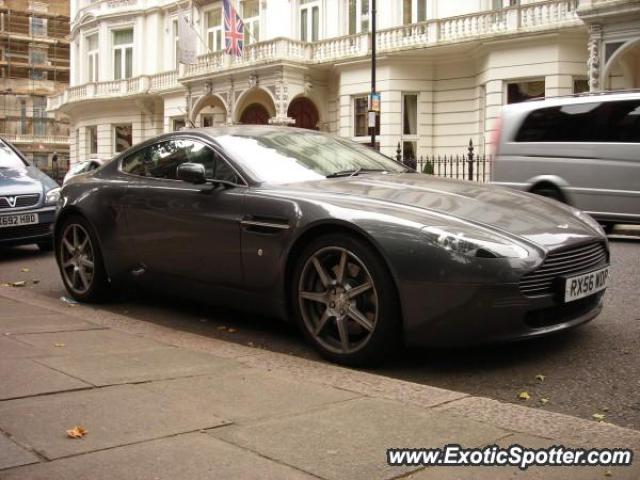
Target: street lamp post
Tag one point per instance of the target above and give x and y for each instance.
(373, 114)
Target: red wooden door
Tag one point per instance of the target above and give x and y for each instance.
(255, 114)
(305, 113)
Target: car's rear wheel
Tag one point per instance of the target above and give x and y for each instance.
(345, 301)
(80, 261)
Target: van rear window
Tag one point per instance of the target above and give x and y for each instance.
(608, 122)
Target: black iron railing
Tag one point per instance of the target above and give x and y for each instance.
(466, 166)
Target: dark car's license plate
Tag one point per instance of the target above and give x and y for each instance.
(585, 284)
(15, 220)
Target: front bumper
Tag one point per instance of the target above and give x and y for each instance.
(26, 234)
(470, 315)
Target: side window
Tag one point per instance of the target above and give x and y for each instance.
(161, 160)
(567, 123)
(624, 122)
(607, 122)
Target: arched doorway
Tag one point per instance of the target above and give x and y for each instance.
(255, 106)
(304, 112)
(255, 114)
(209, 111)
(623, 68)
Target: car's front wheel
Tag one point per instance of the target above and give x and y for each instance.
(80, 261)
(345, 300)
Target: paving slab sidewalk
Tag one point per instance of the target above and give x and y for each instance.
(165, 404)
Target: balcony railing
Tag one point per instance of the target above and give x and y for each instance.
(539, 15)
(114, 88)
(549, 14)
(31, 138)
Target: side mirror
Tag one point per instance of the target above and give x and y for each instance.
(192, 173)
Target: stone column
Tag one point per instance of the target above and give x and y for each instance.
(282, 103)
(595, 57)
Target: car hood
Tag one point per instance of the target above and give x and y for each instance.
(24, 180)
(542, 221)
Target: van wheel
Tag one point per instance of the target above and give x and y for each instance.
(549, 191)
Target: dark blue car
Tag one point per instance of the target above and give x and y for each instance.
(28, 201)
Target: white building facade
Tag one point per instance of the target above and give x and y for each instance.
(445, 67)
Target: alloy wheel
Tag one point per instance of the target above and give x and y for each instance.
(77, 258)
(338, 300)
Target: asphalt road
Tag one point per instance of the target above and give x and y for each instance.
(593, 369)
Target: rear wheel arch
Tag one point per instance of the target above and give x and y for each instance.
(74, 211)
(552, 187)
(327, 228)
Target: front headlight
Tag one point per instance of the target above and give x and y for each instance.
(474, 242)
(52, 196)
(589, 220)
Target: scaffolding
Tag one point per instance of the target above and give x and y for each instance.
(34, 63)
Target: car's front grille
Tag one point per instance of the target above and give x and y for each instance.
(583, 258)
(19, 201)
(24, 231)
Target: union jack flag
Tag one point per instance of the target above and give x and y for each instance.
(233, 30)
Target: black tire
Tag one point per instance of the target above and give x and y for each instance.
(370, 347)
(549, 191)
(99, 288)
(45, 245)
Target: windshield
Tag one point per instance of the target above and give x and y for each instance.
(281, 156)
(9, 159)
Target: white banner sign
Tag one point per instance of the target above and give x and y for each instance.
(187, 41)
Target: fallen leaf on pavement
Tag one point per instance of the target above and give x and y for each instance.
(599, 416)
(608, 473)
(25, 270)
(77, 432)
(540, 377)
(544, 401)
(59, 344)
(524, 396)
(21, 283)
(35, 282)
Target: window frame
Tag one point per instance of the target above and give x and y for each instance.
(250, 24)
(114, 137)
(124, 47)
(356, 137)
(212, 32)
(308, 6)
(409, 137)
(88, 130)
(93, 56)
(414, 11)
(360, 17)
(510, 81)
(44, 26)
(217, 150)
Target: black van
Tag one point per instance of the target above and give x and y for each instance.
(28, 201)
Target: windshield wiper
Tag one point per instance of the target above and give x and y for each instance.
(354, 172)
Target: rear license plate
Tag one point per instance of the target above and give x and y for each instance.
(15, 220)
(585, 284)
